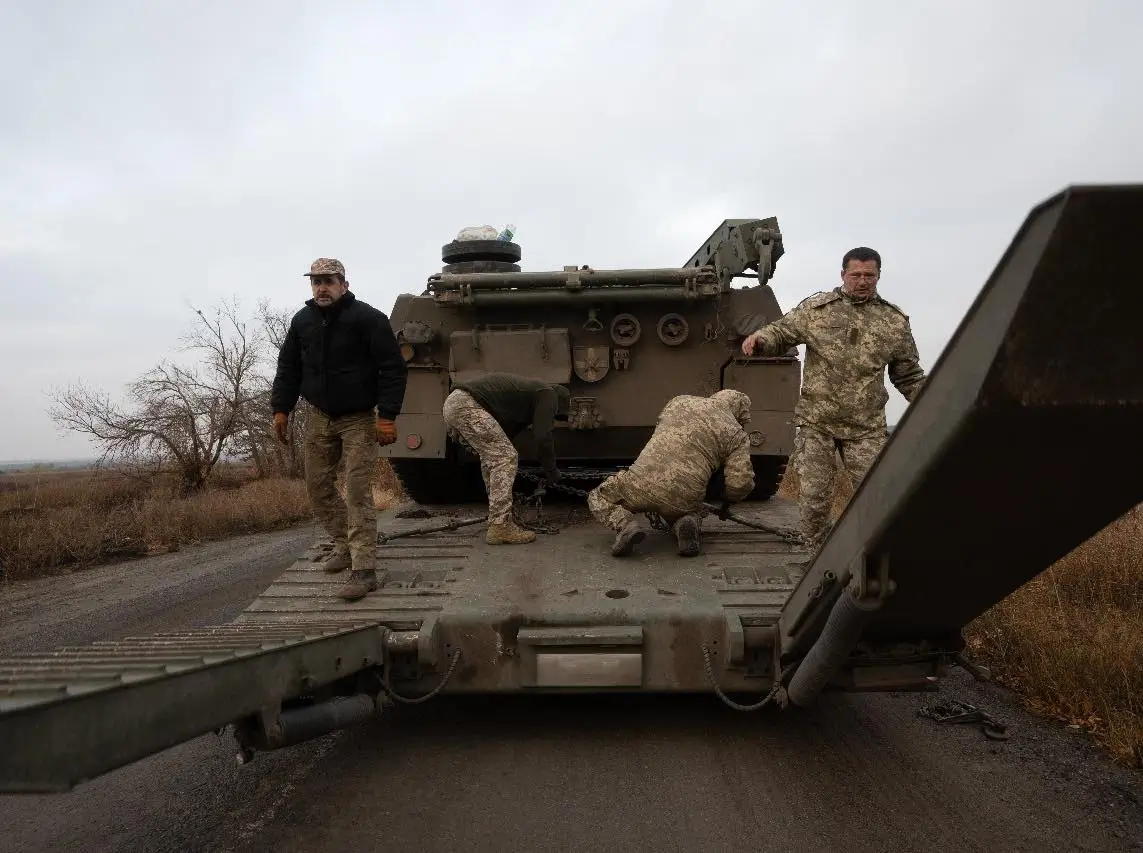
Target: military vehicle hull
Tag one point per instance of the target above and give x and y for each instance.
(623, 341)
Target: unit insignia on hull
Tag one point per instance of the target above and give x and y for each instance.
(591, 363)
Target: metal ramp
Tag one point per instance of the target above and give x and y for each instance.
(74, 713)
(1025, 442)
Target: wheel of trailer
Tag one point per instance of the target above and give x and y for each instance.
(439, 481)
(466, 267)
(459, 251)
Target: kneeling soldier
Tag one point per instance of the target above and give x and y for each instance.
(694, 438)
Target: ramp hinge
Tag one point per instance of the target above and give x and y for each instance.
(879, 585)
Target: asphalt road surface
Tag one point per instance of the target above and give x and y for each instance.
(857, 773)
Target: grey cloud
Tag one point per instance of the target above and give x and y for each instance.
(155, 154)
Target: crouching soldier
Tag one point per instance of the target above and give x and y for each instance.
(486, 413)
(694, 437)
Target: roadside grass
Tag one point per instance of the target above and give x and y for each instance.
(65, 520)
(1069, 642)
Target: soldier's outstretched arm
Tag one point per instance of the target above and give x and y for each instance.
(288, 377)
(777, 337)
(905, 371)
(543, 417)
(738, 472)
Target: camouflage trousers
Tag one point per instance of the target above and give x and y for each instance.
(466, 419)
(618, 499)
(352, 522)
(817, 468)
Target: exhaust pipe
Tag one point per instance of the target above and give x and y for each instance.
(296, 725)
(843, 628)
(300, 724)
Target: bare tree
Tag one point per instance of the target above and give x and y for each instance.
(187, 417)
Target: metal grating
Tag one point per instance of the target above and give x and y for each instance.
(33, 678)
(74, 713)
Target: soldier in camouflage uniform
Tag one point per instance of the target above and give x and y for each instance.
(694, 437)
(851, 335)
(341, 356)
(486, 413)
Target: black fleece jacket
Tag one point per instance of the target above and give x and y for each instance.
(343, 360)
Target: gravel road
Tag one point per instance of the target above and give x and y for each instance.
(856, 773)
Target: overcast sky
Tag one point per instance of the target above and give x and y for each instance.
(155, 154)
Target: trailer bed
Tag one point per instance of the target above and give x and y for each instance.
(561, 612)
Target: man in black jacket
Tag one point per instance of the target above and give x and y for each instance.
(486, 413)
(341, 355)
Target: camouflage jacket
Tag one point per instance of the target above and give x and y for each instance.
(849, 343)
(693, 438)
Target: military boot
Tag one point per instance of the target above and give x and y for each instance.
(627, 538)
(509, 533)
(361, 583)
(338, 561)
(687, 533)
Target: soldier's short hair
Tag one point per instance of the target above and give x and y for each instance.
(861, 253)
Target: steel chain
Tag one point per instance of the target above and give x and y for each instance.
(775, 693)
(656, 521)
(565, 475)
(520, 500)
(425, 697)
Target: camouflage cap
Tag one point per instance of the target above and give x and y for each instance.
(326, 266)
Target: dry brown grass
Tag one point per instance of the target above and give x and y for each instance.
(73, 519)
(387, 489)
(1070, 641)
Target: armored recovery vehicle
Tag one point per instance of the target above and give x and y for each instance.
(979, 489)
(623, 341)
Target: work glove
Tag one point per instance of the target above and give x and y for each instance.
(386, 431)
(280, 419)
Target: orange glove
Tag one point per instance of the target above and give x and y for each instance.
(280, 427)
(386, 431)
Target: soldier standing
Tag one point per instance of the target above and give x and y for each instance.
(486, 413)
(341, 355)
(851, 335)
(694, 437)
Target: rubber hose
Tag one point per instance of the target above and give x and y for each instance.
(847, 619)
